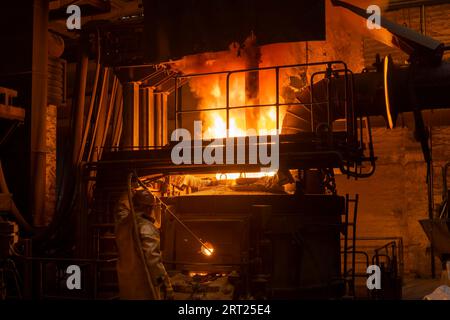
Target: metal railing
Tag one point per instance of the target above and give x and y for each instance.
(385, 252)
(328, 73)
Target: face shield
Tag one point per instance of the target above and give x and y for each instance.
(144, 201)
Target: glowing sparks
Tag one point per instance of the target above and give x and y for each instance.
(199, 274)
(234, 176)
(207, 249)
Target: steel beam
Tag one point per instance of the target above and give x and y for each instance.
(130, 113)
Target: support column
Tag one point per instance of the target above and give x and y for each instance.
(130, 113)
(164, 129)
(151, 117)
(144, 124)
(161, 119)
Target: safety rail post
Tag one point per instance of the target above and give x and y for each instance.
(277, 98)
(228, 102)
(176, 101)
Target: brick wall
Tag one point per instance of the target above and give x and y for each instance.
(395, 198)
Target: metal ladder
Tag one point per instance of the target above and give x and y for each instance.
(105, 251)
(349, 243)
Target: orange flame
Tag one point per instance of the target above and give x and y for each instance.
(343, 42)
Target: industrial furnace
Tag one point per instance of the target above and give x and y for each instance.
(192, 151)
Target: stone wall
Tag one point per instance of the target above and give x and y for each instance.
(395, 198)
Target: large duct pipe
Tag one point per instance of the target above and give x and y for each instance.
(430, 85)
(422, 84)
(384, 94)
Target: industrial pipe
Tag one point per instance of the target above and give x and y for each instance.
(91, 103)
(99, 125)
(384, 93)
(79, 104)
(112, 103)
(39, 109)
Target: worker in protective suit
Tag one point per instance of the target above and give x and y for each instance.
(140, 270)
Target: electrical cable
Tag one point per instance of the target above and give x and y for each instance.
(68, 185)
(92, 101)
